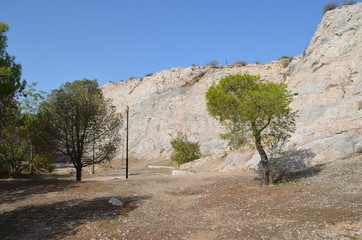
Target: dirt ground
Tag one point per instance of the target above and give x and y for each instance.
(322, 202)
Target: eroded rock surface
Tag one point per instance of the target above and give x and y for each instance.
(326, 81)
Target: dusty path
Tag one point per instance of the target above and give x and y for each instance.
(319, 203)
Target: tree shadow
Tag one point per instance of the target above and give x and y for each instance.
(292, 166)
(60, 219)
(15, 190)
(298, 174)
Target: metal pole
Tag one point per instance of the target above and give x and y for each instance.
(122, 150)
(127, 113)
(93, 156)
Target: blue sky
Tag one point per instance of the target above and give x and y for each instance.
(58, 41)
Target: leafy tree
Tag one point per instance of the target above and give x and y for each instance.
(14, 144)
(17, 145)
(10, 72)
(29, 105)
(78, 122)
(186, 151)
(253, 112)
(11, 124)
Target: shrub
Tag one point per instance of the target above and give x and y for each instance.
(149, 74)
(41, 164)
(194, 65)
(283, 57)
(212, 63)
(186, 151)
(330, 6)
(240, 63)
(132, 78)
(257, 62)
(348, 2)
(285, 60)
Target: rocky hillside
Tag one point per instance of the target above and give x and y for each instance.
(326, 81)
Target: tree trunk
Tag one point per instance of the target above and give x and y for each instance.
(264, 161)
(79, 173)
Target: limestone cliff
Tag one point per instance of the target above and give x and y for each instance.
(326, 81)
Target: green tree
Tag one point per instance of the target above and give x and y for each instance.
(14, 143)
(253, 112)
(10, 71)
(186, 151)
(29, 105)
(17, 146)
(10, 79)
(76, 121)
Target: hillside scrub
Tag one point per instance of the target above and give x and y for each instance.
(330, 6)
(186, 151)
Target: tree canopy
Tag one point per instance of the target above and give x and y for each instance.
(76, 121)
(10, 71)
(254, 112)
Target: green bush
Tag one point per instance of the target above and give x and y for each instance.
(41, 164)
(283, 57)
(330, 6)
(186, 151)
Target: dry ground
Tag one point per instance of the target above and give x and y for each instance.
(323, 202)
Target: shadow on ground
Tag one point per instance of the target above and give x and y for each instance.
(299, 174)
(61, 219)
(15, 190)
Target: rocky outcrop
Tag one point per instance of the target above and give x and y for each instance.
(326, 81)
(173, 101)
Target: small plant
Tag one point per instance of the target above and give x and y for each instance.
(149, 74)
(283, 57)
(257, 62)
(285, 60)
(194, 65)
(240, 63)
(41, 164)
(186, 151)
(132, 78)
(349, 2)
(212, 63)
(330, 6)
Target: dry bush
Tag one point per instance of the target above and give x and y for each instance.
(330, 6)
(240, 63)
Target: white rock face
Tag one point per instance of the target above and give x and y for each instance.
(173, 101)
(327, 82)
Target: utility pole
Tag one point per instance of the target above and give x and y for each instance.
(127, 113)
(122, 150)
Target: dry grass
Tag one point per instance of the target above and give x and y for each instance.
(310, 204)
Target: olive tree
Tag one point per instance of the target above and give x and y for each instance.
(254, 112)
(78, 122)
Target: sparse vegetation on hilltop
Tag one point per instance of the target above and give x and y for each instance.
(240, 63)
(330, 6)
(212, 63)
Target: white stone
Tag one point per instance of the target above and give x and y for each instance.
(179, 172)
(116, 202)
